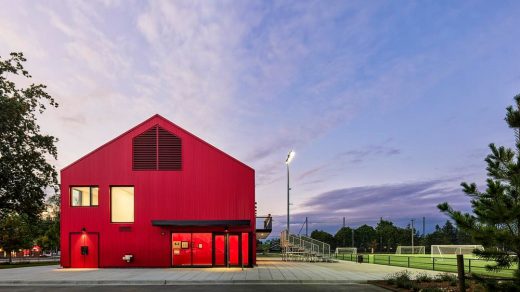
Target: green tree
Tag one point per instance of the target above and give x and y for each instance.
(324, 237)
(15, 233)
(24, 170)
(495, 222)
(364, 238)
(343, 237)
(47, 230)
(387, 235)
(449, 233)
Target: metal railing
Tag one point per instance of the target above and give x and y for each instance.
(443, 264)
(302, 248)
(264, 222)
(17, 260)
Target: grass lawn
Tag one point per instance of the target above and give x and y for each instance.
(447, 263)
(26, 264)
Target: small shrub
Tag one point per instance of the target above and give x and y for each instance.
(446, 277)
(423, 277)
(405, 284)
(401, 279)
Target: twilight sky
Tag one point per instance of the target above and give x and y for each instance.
(389, 105)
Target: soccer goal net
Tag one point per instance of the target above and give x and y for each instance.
(346, 250)
(443, 250)
(417, 249)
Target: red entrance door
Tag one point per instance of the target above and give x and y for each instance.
(220, 250)
(233, 250)
(201, 249)
(192, 249)
(84, 250)
(181, 245)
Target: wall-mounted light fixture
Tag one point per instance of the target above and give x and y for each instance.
(84, 230)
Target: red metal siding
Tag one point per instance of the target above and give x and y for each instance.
(85, 240)
(210, 186)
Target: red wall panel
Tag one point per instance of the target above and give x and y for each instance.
(211, 186)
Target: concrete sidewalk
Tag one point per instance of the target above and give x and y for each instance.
(268, 271)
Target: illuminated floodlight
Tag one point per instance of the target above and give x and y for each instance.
(290, 157)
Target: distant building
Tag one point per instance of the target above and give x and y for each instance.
(157, 196)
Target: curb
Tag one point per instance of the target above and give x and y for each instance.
(177, 283)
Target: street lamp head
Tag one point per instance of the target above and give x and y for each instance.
(290, 157)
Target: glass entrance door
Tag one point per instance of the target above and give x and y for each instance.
(192, 249)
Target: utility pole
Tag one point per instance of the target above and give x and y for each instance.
(412, 237)
(381, 237)
(306, 226)
(344, 236)
(352, 236)
(423, 226)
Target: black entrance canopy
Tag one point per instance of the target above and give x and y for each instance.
(218, 223)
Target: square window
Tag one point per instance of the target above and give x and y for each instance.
(84, 196)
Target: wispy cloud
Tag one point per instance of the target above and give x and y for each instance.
(374, 151)
(367, 204)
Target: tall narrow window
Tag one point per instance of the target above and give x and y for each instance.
(84, 196)
(122, 204)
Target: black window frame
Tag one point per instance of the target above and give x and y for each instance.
(90, 187)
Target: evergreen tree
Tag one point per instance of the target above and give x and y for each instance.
(495, 221)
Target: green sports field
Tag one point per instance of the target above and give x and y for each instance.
(447, 263)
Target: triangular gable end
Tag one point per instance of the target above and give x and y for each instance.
(156, 117)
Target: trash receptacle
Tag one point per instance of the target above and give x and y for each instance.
(360, 258)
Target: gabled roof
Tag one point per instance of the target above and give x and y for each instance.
(154, 117)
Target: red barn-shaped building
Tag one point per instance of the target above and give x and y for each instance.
(157, 196)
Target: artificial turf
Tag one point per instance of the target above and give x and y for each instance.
(446, 263)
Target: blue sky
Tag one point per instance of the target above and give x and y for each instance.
(388, 104)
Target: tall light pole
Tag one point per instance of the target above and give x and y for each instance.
(290, 157)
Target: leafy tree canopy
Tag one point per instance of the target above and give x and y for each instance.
(324, 237)
(24, 150)
(15, 233)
